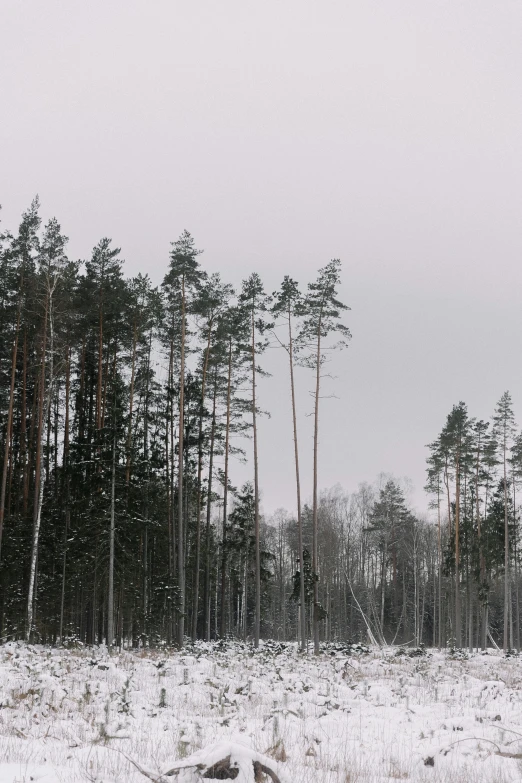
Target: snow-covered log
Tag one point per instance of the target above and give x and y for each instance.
(223, 761)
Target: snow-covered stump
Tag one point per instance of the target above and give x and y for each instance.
(224, 761)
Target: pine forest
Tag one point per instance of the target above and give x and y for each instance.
(121, 520)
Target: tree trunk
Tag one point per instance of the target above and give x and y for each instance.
(146, 457)
(39, 479)
(439, 564)
(222, 628)
(209, 509)
(168, 497)
(451, 605)
(482, 560)
(458, 621)
(383, 584)
(66, 484)
(302, 596)
(515, 553)
(100, 364)
(9, 428)
(315, 495)
(181, 551)
(131, 404)
(31, 446)
(23, 429)
(507, 595)
(257, 615)
(169, 441)
(195, 598)
(110, 606)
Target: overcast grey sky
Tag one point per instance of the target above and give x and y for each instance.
(282, 134)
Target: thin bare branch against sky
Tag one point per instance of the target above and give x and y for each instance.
(281, 135)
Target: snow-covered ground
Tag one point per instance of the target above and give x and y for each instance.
(348, 716)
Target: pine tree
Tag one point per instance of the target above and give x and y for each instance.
(516, 475)
(233, 352)
(210, 305)
(455, 442)
(503, 432)
(255, 302)
(181, 283)
(433, 487)
(323, 313)
(52, 264)
(288, 305)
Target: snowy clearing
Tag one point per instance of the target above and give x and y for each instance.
(348, 716)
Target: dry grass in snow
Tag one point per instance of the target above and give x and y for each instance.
(348, 716)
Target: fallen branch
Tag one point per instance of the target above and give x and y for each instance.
(371, 637)
(498, 752)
